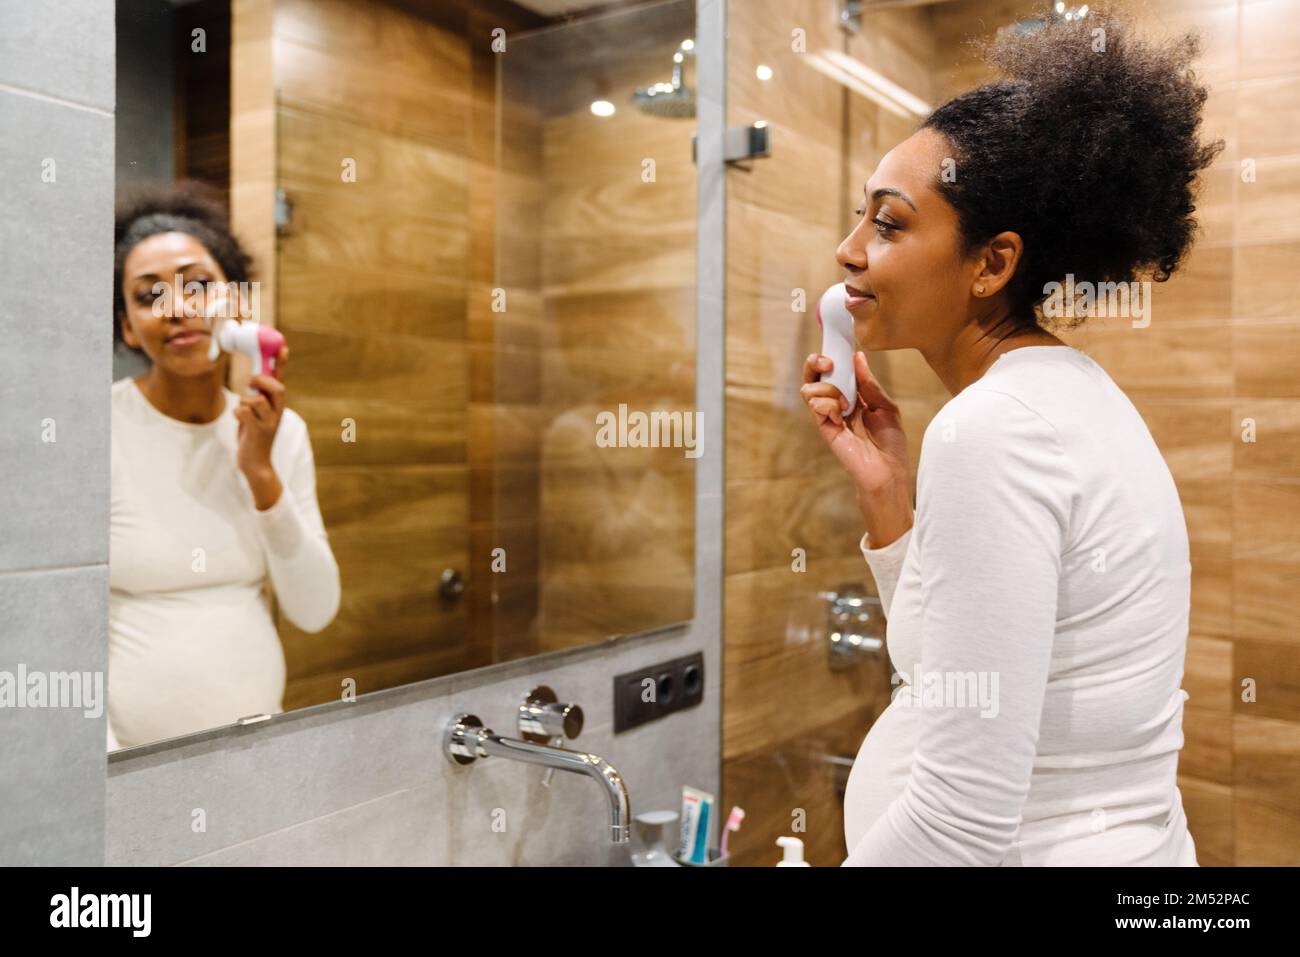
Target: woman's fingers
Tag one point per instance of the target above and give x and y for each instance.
(827, 408)
(823, 403)
(272, 389)
(259, 408)
(858, 425)
(244, 416)
(814, 366)
(813, 386)
(823, 390)
(269, 383)
(869, 386)
(870, 391)
(824, 400)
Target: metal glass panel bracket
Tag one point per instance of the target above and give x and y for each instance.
(743, 143)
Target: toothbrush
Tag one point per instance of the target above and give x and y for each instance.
(733, 824)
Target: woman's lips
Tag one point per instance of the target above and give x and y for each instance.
(852, 301)
(186, 338)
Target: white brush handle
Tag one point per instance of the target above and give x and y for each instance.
(838, 342)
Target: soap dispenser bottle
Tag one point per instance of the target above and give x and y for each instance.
(793, 852)
(651, 846)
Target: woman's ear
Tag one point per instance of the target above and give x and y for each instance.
(998, 263)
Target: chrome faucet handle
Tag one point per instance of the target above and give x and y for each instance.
(461, 739)
(543, 719)
(855, 625)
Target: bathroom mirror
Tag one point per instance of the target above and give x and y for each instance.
(473, 223)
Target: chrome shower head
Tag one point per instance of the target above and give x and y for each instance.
(671, 103)
(673, 100)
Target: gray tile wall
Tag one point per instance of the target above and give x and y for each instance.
(366, 783)
(56, 228)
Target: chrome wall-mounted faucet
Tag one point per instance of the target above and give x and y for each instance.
(544, 720)
(543, 723)
(856, 626)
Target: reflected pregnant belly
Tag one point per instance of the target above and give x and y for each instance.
(181, 662)
(881, 768)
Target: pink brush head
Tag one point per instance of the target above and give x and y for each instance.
(261, 344)
(270, 342)
(733, 824)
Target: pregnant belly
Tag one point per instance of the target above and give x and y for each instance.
(187, 661)
(881, 768)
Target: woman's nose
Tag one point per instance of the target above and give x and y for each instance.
(851, 254)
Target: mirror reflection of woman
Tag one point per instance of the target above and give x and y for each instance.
(213, 493)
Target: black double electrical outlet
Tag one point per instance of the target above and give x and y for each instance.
(654, 691)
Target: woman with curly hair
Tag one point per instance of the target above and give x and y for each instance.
(212, 492)
(1037, 597)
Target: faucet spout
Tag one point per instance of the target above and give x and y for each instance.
(467, 740)
(578, 762)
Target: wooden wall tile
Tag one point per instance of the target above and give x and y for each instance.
(1209, 813)
(1266, 822)
(1266, 560)
(1273, 670)
(1208, 676)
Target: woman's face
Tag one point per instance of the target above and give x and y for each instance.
(173, 341)
(905, 253)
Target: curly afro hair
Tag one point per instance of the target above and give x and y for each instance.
(1087, 148)
(188, 207)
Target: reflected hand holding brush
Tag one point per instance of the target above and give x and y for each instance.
(261, 408)
(262, 344)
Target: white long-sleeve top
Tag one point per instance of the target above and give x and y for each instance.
(1037, 612)
(192, 644)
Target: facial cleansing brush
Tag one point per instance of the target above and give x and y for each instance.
(260, 343)
(837, 342)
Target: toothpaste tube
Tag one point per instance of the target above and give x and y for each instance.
(697, 816)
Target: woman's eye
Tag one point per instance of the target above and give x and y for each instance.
(859, 211)
(883, 227)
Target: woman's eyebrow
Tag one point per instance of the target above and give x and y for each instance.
(890, 191)
(196, 264)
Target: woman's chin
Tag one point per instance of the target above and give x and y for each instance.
(869, 337)
(190, 368)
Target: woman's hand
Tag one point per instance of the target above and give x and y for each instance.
(870, 445)
(259, 419)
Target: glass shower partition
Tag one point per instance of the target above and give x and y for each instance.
(796, 705)
(586, 339)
